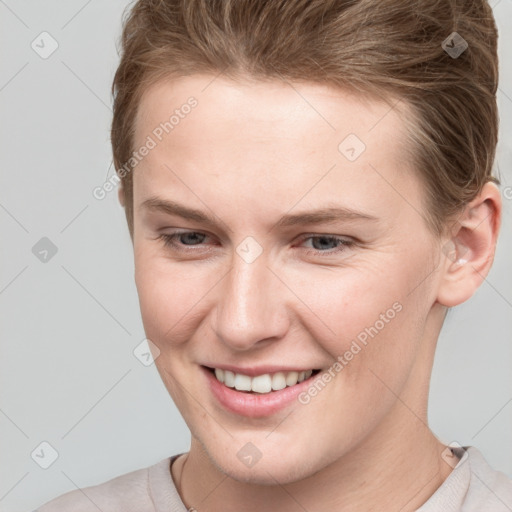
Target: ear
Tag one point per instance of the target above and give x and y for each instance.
(121, 195)
(468, 252)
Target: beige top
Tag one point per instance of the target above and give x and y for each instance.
(472, 486)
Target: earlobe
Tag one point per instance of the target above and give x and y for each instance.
(121, 195)
(467, 256)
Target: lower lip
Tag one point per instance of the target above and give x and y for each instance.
(254, 405)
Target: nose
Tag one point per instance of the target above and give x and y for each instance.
(251, 306)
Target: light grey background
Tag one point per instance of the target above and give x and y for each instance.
(68, 375)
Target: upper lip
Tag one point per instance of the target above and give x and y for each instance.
(253, 371)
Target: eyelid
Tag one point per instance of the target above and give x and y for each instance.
(302, 237)
(169, 238)
(344, 242)
(344, 238)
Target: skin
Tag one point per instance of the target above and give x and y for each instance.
(249, 153)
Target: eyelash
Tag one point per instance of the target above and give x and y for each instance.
(169, 240)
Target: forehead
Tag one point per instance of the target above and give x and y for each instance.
(259, 136)
(266, 109)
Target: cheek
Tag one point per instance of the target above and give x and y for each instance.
(172, 297)
(366, 318)
(346, 300)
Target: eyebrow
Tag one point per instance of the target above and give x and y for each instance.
(324, 215)
(318, 216)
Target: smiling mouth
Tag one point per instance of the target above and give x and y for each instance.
(261, 384)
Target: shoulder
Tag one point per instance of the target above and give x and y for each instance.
(488, 489)
(130, 491)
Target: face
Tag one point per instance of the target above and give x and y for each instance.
(277, 233)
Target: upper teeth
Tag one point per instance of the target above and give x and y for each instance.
(262, 383)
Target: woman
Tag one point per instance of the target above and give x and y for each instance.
(308, 187)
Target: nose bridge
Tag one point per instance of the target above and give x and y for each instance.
(249, 307)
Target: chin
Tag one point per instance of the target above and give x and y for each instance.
(277, 465)
(266, 473)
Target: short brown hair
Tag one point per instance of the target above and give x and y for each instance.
(393, 49)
